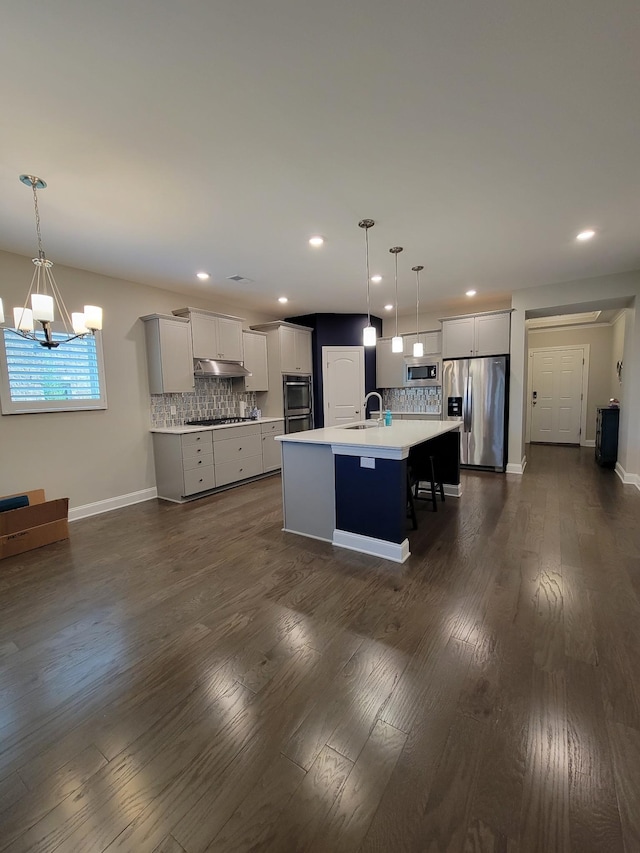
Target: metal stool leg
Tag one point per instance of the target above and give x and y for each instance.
(410, 504)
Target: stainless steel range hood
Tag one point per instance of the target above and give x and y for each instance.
(218, 369)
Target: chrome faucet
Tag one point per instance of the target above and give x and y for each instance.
(366, 400)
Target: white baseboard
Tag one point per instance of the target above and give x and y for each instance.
(87, 510)
(514, 468)
(368, 545)
(588, 442)
(627, 479)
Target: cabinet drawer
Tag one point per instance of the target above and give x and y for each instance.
(237, 448)
(198, 480)
(191, 462)
(194, 451)
(227, 432)
(274, 427)
(196, 439)
(239, 469)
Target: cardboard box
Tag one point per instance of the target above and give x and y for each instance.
(40, 523)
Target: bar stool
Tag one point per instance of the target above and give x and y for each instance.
(422, 469)
(411, 507)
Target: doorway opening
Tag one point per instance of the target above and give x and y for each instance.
(557, 383)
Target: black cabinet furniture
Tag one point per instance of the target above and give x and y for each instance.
(607, 422)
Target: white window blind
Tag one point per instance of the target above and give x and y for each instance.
(36, 379)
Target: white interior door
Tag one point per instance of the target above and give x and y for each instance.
(556, 395)
(342, 384)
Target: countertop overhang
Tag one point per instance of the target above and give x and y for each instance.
(384, 442)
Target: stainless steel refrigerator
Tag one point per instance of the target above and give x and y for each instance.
(474, 392)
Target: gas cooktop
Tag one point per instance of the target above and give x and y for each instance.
(217, 421)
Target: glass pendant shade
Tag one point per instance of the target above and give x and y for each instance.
(369, 336)
(42, 307)
(418, 350)
(77, 322)
(23, 319)
(397, 344)
(93, 317)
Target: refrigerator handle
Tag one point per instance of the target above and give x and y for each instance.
(466, 405)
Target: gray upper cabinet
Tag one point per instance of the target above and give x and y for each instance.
(295, 350)
(431, 343)
(255, 360)
(476, 335)
(169, 354)
(289, 345)
(214, 336)
(389, 365)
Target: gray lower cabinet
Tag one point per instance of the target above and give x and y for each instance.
(272, 449)
(184, 464)
(237, 453)
(191, 464)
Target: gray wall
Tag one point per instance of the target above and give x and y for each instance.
(93, 456)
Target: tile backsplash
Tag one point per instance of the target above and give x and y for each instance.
(428, 400)
(211, 398)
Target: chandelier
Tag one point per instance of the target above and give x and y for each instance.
(46, 297)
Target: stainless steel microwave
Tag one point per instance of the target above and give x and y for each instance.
(422, 372)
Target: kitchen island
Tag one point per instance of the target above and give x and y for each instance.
(348, 485)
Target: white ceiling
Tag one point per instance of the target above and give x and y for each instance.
(220, 135)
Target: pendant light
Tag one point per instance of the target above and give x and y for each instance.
(369, 332)
(418, 349)
(397, 343)
(45, 296)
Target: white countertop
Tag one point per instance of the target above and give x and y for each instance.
(181, 430)
(392, 442)
(403, 412)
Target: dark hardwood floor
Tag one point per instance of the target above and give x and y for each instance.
(189, 678)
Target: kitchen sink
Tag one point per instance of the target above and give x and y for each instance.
(367, 425)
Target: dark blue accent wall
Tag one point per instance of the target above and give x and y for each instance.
(337, 330)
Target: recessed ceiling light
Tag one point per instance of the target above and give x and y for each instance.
(203, 276)
(376, 279)
(282, 299)
(586, 235)
(388, 307)
(470, 293)
(316, 241)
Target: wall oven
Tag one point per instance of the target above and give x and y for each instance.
(297, 402)
(422, 372)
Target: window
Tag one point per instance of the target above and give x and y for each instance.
(36, 379)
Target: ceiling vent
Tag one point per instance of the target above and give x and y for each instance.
(238, 277)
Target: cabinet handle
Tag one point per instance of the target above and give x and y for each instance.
(239, 449)
(198, 438)
(199, 461)
(200, 480)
